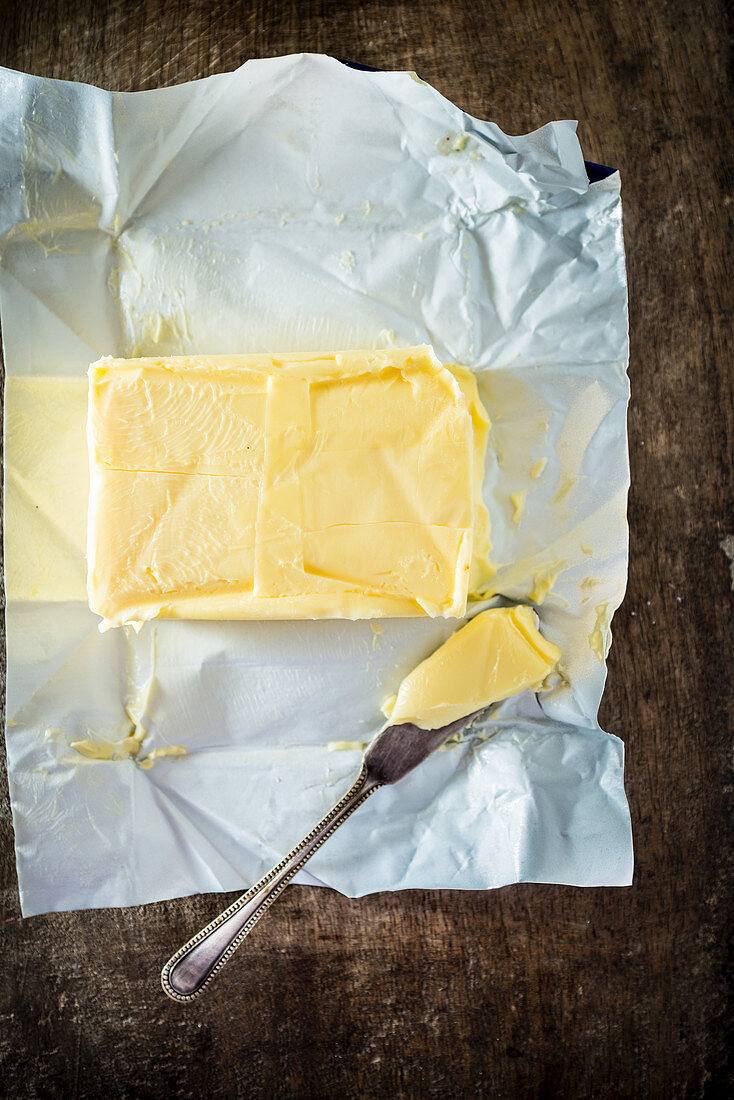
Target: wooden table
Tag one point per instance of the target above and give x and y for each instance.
(530, 990)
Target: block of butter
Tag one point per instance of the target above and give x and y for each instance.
(284, 486)
(499, 653)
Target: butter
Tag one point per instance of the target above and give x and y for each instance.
(290, 486)
(481, 571)
(110, 750)
(599, 639)
(544, 580)
(126, 748)
(518, 505)
(146, 762)
(499, 653)
(565, 486)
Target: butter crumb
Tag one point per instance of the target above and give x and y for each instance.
(538, 467)
(518, 503)
(339, 218)
(544, 580)
(345, 746)
(588, 550)
(347, 260)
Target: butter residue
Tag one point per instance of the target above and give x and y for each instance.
(518, 503)
(126, 748)
(537, 468)
(447, 144)
(140, 675)
(150, 758)
(110, 750)
(497, 654)
(544, 580)
(565, 485)
(154, 329)
(58, 232)
(599, 637)
(345, 746)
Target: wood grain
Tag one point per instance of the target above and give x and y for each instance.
(530, 991)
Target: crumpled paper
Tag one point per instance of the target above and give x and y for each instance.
(297, 204)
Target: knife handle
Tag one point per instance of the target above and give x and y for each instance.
(189, 971)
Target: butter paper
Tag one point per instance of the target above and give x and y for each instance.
(297, 204)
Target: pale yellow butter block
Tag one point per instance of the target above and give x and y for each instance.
(499, 653)
(288, 486)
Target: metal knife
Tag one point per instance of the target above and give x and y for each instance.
(393, 753)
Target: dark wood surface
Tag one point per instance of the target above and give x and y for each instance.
(531, 990)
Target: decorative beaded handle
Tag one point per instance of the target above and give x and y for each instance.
(189, 971)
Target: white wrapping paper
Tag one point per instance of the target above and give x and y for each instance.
(296, 204)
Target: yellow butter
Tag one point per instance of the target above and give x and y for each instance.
(499, 653)
(288, 486)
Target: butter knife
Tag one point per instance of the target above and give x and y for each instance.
(393, 753)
